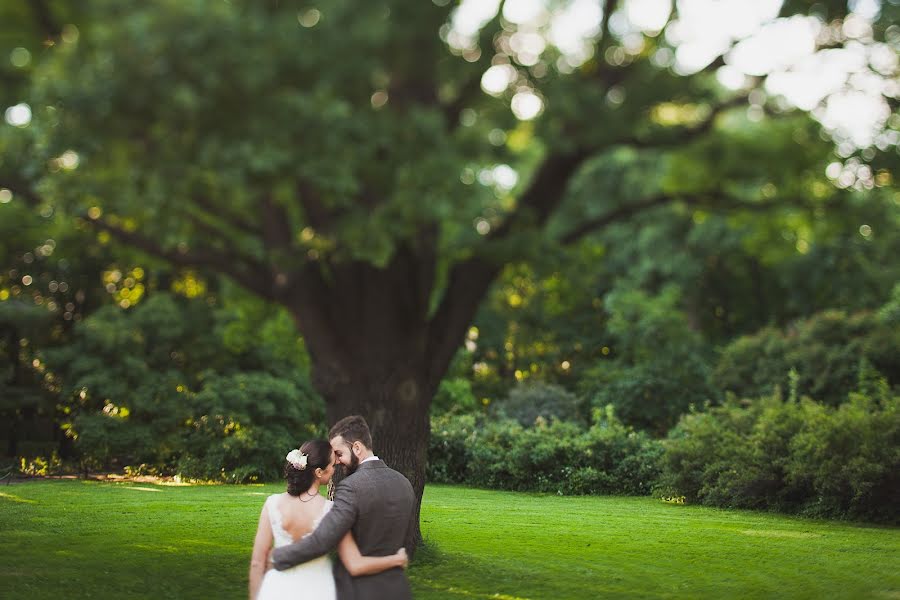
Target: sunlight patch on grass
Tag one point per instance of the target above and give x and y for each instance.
(776, 533)
(20, 533)
(140, 489)
(14, 498)
(156, 548)
(199, 543)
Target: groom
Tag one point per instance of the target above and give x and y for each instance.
(373, 501)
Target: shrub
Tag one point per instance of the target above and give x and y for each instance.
(825, 350)
(454, 396)
(244, 424)
(658, 367)
(850, 459)
(132, 386)
(557, 456)
(529, 401)
(653, 395)
(792, 456)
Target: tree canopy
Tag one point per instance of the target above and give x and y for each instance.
(374, 167)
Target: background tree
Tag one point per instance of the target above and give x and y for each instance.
(325, 158)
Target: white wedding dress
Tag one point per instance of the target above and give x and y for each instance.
(313, 579)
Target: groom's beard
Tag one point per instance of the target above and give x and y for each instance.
(351, 468)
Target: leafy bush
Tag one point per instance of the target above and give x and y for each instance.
(139, 392)
(243, 424)
(658, 367)
(653, 395)
(798, 456)
(825, 350)
(850, 459)
(560, 457)
(454, 396)
(527, 402)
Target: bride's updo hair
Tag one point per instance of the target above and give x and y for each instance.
(318, 457)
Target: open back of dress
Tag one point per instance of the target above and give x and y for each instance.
(309, 580)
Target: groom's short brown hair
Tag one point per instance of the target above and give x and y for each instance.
(353, 429)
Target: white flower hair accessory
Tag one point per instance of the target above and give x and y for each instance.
(297, 459)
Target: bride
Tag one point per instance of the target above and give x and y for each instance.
(289, 516)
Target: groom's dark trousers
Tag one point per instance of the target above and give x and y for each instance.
(376, 503)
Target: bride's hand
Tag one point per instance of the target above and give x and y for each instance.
(402, 558)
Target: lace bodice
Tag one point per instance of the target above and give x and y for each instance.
(282, 537)
(313, 579)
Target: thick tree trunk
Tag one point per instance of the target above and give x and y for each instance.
(366, 330)
(397, 412)
(377, 352)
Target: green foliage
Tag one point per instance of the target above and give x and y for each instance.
(246, 422)
(744, 270)
(152, 387)
(790, 456)
(529, 402)
(849, 458)
(41, 466)
(539, 323)
(559, 457)
(652, 396)
(825, 350)
(258, 102)
(454, 396)
(889, 314)
(659, 368)
(49, 278)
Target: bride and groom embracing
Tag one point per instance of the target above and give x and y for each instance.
(367, 523)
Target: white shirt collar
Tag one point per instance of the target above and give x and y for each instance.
(365, 460)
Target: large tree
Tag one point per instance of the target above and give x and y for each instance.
(373, 166)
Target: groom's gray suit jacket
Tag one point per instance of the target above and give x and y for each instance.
(376, 503)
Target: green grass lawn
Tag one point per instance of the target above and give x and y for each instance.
(76, 539)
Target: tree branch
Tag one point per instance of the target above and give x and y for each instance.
(311, 300)
(467, 94)
(468, 283)
(609, 7)
(713, 201)
(469, 280)
(470, 89)
(205, 227)
(607, 73)
(245, 271)
(222, 213)
(45, 18)
(276, 229)
(619, 214)
(686, 134)
(544, 193)
(317, 215)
